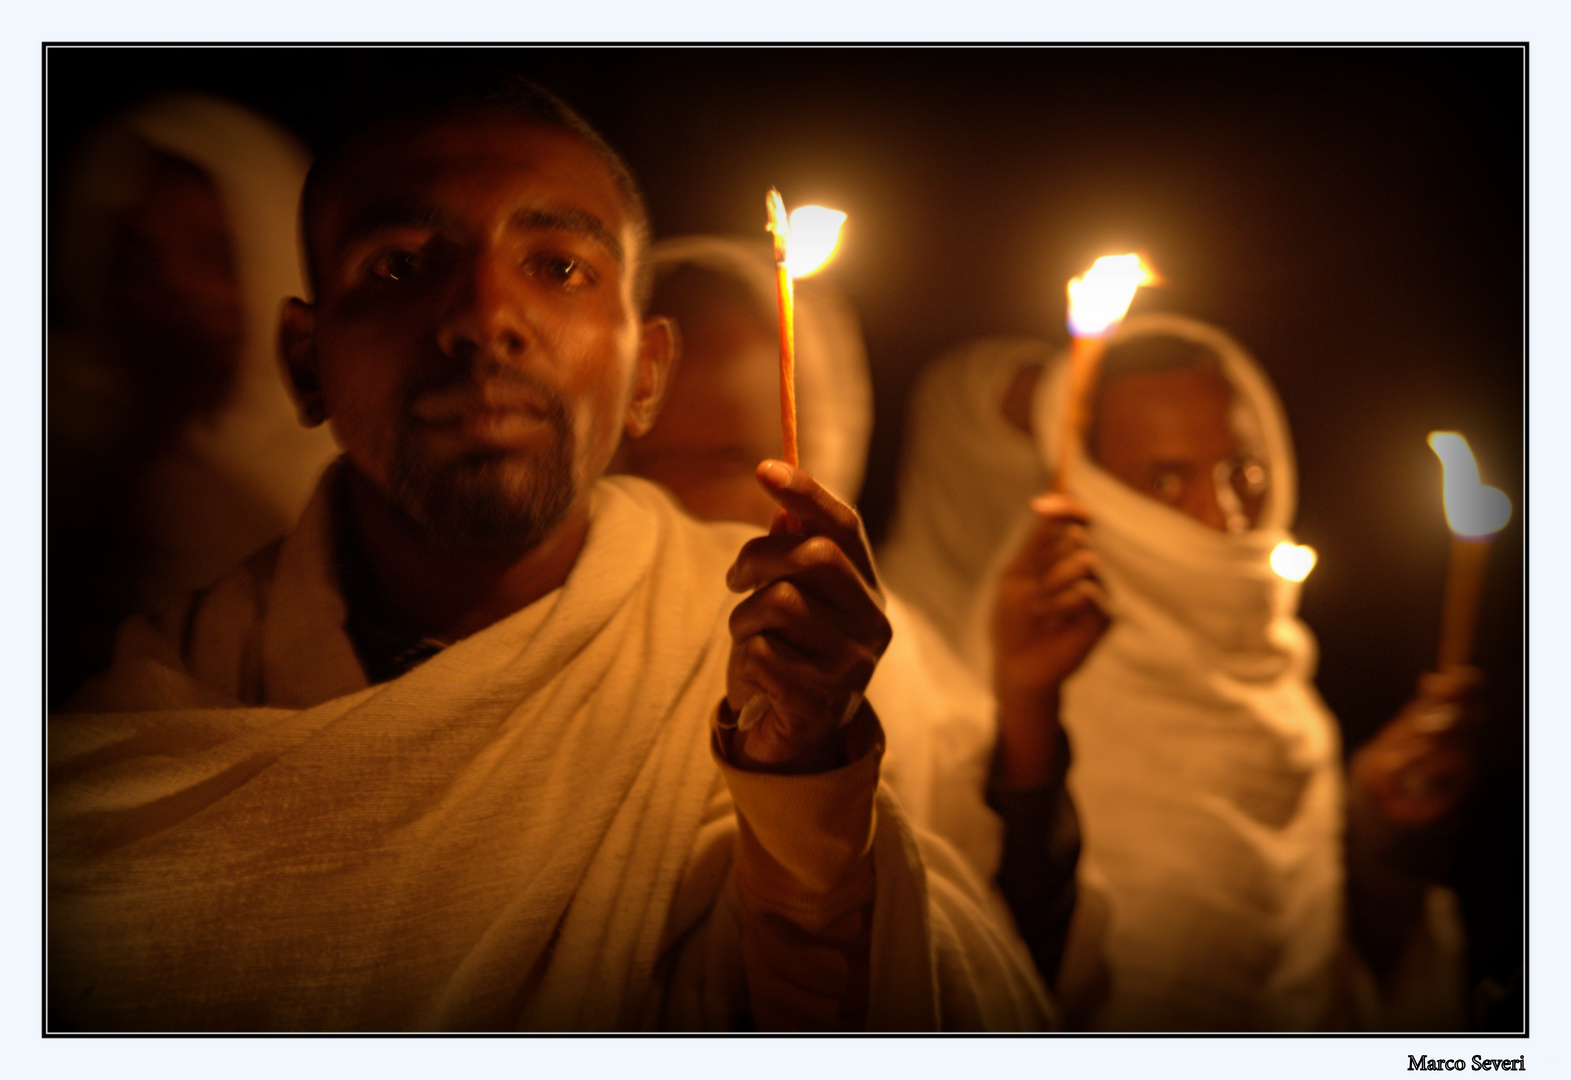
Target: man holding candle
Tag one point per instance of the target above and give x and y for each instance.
(1206, 767)
(461, 752)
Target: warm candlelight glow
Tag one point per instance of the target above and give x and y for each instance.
(1293, 561)
(1097, 303)
(1472, 510)
(1475, 513)
(814, 239)
(1099, 299)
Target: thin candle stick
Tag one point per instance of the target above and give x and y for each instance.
(1085, 359)
(783, 290)
(1459, 609)
(1474, 513)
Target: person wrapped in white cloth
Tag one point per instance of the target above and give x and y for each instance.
(1207, 770)
(462, 752)
(174, 447)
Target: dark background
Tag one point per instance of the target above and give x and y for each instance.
(1355, 216)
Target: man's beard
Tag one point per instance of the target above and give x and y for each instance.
(489, 499)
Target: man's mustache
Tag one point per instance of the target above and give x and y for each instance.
(493, 388)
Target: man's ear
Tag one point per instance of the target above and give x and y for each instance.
(297, 350)
(659, 345)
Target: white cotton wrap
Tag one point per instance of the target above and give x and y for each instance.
(1206, 768)
(528, 831)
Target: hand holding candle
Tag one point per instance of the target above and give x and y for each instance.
(1098, 302)
(1475, 513)
(804, 243)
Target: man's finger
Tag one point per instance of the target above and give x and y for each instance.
(816, 563)
(1070, 569)
(1050, 538)
(1082, 598)
(819, 510)
(1451, 684)
(1056, 506)
(810, 624)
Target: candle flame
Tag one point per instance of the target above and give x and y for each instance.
(778, 223)
(1293, 561)
(815, 237)
(1472, 510)
(1099, 299)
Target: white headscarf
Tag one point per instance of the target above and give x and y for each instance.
(834, 390)
(965, 475)
(241, 475)
(1206, 766)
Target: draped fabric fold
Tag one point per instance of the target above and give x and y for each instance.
(527, 831)
(1207, 769)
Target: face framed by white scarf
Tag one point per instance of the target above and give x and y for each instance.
(1206, 767)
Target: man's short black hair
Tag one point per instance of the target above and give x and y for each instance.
(418, 104)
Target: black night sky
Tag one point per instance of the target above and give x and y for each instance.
(1355, 216)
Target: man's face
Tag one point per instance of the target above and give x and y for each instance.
(1168, 435)
(475, 341)
(720, 419)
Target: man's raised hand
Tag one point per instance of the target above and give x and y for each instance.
(805, 643)
(1418, 768)
(1050, 608)
(1049, 611)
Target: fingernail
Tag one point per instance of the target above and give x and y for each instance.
(778, 473)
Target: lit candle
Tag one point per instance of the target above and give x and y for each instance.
(1474, 513)
(1098, 302)
(1293, 561)
(781, 227)
(804, 243)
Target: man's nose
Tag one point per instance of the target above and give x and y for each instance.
(1206, 507)
(484, 311)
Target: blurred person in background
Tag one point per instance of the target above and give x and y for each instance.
(1226, 870)
(174, 449)
(721, 417)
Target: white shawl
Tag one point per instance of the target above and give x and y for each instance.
(1206, 766)
(507, 837)
(965, 474)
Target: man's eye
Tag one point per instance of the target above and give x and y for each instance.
(560, 270)
(1252, 477)
(396, 265)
